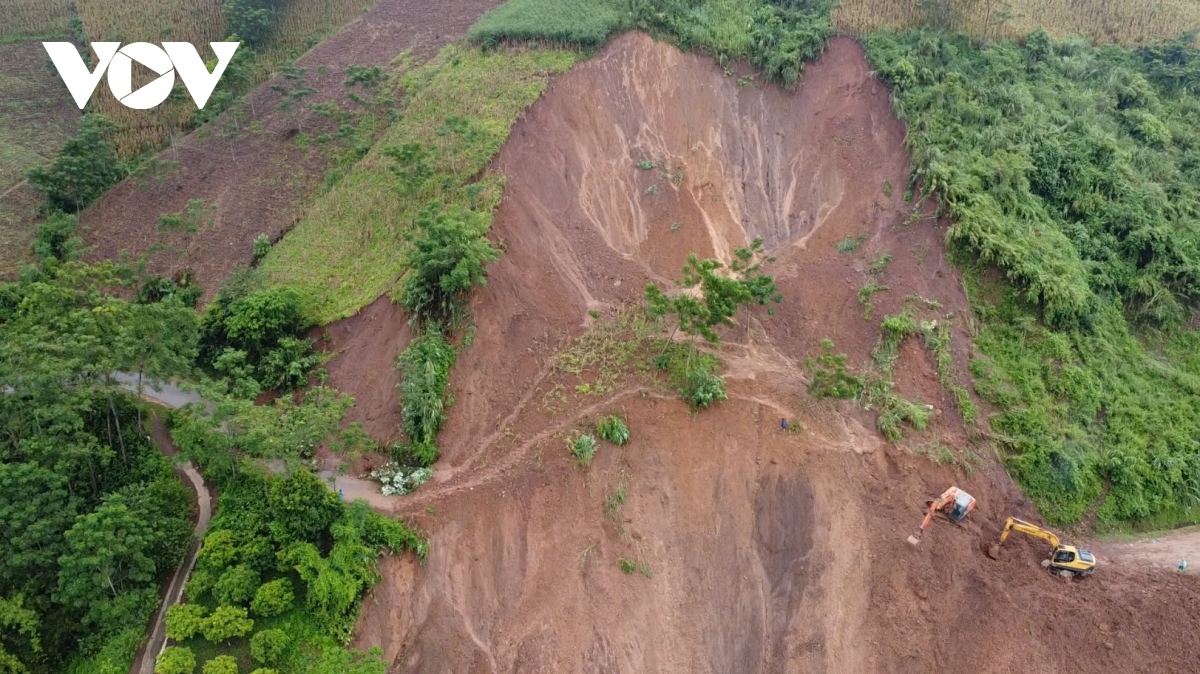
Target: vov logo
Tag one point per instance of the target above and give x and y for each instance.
(173, 57)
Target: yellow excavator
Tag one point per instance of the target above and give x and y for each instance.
(1065, 560)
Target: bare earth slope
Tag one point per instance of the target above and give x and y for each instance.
(751, 549)
(255, 179)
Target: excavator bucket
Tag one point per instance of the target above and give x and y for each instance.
(913, 540)
(994, 551)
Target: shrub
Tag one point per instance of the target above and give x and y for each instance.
(175, 660)
(236, 585)
(583, 448)
(250, 320)
(448, 255)
(185, 621)
(288, 365)
(262, 246)
(702, 388)
(56, 239)
(613, 429)
(829, 377)
(222, 664)
(227, 622)
(268, 646)
(273, 598)
(425, 371)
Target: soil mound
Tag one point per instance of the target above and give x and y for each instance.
(720, 542)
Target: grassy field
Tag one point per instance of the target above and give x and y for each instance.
(346, 251)
(1104, 21)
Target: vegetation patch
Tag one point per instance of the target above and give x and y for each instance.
(456, 113)
(1072, 169)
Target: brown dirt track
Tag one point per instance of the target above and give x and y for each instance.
(766, 550)
(258, 182)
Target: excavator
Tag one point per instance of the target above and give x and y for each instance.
(1065, 560)
(956, 503)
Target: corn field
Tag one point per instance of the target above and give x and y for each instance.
(35, 17)
(1104, 21)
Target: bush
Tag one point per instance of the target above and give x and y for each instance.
(56, 239)
(702, 388)
(425, 371)
(268, 646)
(288, 365)
(273, 598)
(185, 621)
(262, 246)
(222, 664)
(448, 255)
(175, 660)
(225, 623)
(583, 448)
(829, 377)
(251, 320)
(236, 585)
(613, 429)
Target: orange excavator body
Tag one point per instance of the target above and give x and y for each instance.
(954, 502)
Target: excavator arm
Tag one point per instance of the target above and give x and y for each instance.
(1014, 524)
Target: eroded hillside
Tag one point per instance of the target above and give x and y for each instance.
(747, 547)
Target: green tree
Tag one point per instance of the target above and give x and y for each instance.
(268, 646)
(425, 371)
(250, 20)
(222, 664)
(107, 555)
(85, 167)
(448, 255)
(273, 598)
(35, 511)
(185, 621)
(19, 640)
(225, 623)
(175, 660)
(236, 585)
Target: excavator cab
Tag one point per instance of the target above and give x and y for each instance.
(963, 504)
(954, 502)
(1068, 559)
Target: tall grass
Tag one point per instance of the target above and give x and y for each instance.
(347, 249)
(581, 22)
(34, 18)
(1105, 21)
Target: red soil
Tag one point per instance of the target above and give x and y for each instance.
(764, 550)
(258, 181)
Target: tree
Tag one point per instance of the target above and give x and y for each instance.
(249, 20)
(175, 660)
(185, 621)
(19, 640)
(425, 367)
(268, 646)
(107, 555)
(273, 598)
(303, 508)
(222, 664)
(225, 623)
(448, 255)
(236, 585)
(83, 170)
(35, 511)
